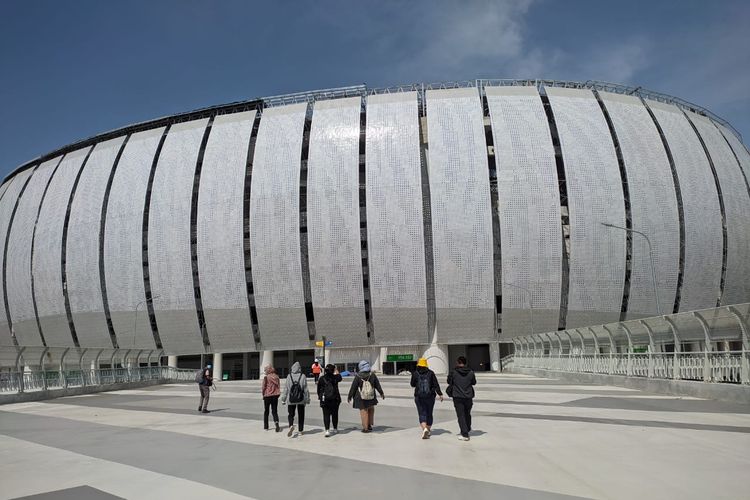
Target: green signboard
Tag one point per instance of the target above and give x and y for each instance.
(400, 357)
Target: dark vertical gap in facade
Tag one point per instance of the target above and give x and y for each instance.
(64, 250)
(628, 212)
(495, 203)
(304, 256)
(31, 257)
(201, 317)
(721, 207)
(429, 264)
(144, 242)
(246, 230)
(564, 213)
(736, 158)
(363, 221)
(680, 211)
(5, 259)
(102, 231)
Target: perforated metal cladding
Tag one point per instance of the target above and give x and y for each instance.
(8, 196)
(594, 187)
(529, 208)
(274, 228)
(82, 256)
(46, 265)
(333, 222)
(461, 216)
(739, 150)
(653, 206)
(123, 241)
(700, 207)
(220, 238)
(170, 268)
(736, 210)
(18, 272)
(395, 224)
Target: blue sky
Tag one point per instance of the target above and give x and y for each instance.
(69, 70)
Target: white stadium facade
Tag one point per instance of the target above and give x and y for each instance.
(421, 220)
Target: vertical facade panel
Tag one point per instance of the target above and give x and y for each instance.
(220, 238)
(461, 216)
(82, 255)
(653, 206)
(333, 222)
(46, 265)
(702, 213)
(736, 209)
(739, 149)
(395, 224)
(123, 242)
(18, 273)
(529, 209)
(10, 192)
(169, 261)
(274, 228)
(594, 187)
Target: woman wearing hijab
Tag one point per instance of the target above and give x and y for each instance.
(296, 396)
(330, 398)
(426, 386)
(363, 389)
(271, 389)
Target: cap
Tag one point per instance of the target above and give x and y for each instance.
(422, 362)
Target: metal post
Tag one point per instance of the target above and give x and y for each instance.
(596, 349)
(42, 368)
(19, 372)
(677, 349)
(651, 347)
(629, 369)
(80, 367)
(745, 331)
(651, 258)
(612, 346)
(63, 378)
(582, 352)
(707, 368)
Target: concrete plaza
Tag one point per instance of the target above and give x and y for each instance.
(533, 438)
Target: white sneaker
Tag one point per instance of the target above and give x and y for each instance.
(328, 434)
(290, 431)
(462, 438)
(425, 434)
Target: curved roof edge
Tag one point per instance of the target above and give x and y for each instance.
(363, 90)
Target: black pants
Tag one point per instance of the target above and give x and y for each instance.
(205, 394)
(317, 376)
(331, 412)
(463, 412)
(300, 419)
(425, 407)
(272, 403)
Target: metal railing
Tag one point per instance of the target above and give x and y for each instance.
(30, 381)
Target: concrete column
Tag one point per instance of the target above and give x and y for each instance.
(172, 361)
(217, 368)
(245, 365)
(437, 358)
(377, 359)
(266, 359)
(495, 357)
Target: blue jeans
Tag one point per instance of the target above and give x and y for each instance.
(424, 408)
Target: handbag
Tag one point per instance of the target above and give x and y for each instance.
(449, 391)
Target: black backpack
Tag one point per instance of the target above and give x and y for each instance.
(296, 393)
(424, 384)
(329, 389)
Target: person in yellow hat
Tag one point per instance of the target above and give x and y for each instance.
(426, 387)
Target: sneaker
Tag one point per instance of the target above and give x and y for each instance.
(369, 428)
(429, 433)
(205, 411)
(365, 431)
(291, 431)
(462, 438)
(425, 434)
(278, 429)
(334, 431)
(299, 433)
(328, 434)
(200, 409)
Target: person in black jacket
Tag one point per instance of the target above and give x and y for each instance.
(207, 380)
(461, 382)
(330, 398)
(426, 386)
(362, 392)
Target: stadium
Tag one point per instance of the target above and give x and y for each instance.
(387, 224)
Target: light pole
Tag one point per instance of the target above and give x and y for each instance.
(135, 320)
(531, 303)
(650, 257)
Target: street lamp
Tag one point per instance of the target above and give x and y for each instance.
(531, 304)
(135, 320)
(650, 257)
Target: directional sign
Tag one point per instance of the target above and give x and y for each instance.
(319, 343)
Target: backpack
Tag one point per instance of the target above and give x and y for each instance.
(424, 384)
(199, 377)
(367, 391)
(329, 389)
(296, 393)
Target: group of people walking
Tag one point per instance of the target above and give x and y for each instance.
(362, 394)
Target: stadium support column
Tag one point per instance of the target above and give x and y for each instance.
(266, 359)
(495, 356)
(218, 368)
(437, 358)
(172, 361)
